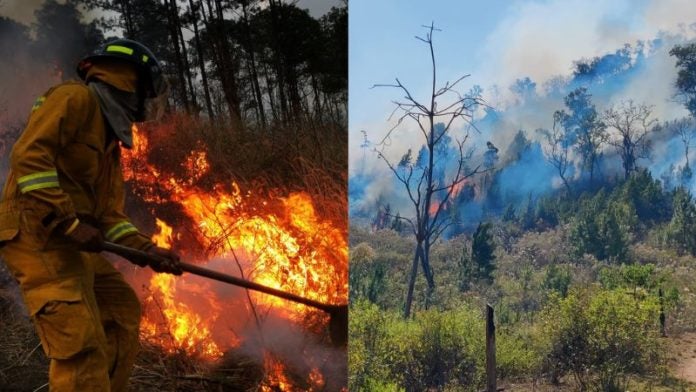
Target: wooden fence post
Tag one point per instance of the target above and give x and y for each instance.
(662, 315)
(490, 351)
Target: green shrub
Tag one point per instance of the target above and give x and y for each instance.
(558, 279)
(439, 349)
(368, 351)
(519, 351)
(602, 337)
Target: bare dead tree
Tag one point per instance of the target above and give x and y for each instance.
(557, 149)
(430, 195)
(686, 129)
(633, 126)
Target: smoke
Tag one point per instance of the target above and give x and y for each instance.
(252, 331)
(35, 55)
(20, 10)
(642, 71)
(23, 77)
(543, 39)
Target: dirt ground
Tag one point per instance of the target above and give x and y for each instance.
(684, 357)
(682, 367)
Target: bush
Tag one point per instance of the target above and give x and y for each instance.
(603, 228)
(681, 230)
(602, 337)
(369, 353)
(366, 277)
(439, 350)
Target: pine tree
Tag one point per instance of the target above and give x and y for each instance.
(482, 251)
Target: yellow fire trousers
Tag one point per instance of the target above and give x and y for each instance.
(85, 313)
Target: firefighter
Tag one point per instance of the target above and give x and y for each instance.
(63, 197)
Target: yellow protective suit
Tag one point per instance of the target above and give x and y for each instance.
(65, 164)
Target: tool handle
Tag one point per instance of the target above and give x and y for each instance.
(130, 253)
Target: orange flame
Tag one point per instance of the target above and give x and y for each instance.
(455, 189)
(277, 241)
(275, 376)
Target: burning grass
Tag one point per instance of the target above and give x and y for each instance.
(23, 365)
(244, 204)
(256, 204)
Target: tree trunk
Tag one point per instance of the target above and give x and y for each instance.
(228, 70)
(686, 154)
(201, 62)
(592, 167)
(317, 98)
(174, 36)
(271, 94)
(425, 261)
(412, 281)
(425, 219)
(128, 19)
(276, 22)
(491, 385)
(184, 54)
(249, 43)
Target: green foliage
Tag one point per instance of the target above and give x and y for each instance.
(366, 279)
(586, 131)
(681, 231)
(558, 279)
(546, 212)
(602, 337)
(509, 214)
(527, 219)
(521, 286)
(519, 351)
(369, 357)
(630, 276)
(602, 228)
(439, 349)
(640, 280)
(482, 251)
(571, 304)
(466, 270)
(650, 201)
(434, 350)
(686, 76)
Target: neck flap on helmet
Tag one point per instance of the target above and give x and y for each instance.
(120, 109)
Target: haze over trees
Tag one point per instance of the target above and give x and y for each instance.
(259, 62)
(580, 234)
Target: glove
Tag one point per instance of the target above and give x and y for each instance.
(167, 261)
(87, 237)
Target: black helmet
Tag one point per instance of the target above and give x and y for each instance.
(135, 53)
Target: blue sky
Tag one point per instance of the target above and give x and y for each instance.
(495, 41)
(382, 44)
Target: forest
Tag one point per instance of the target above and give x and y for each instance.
(247, 162)
(579, 232)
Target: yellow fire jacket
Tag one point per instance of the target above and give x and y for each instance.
(65, 165)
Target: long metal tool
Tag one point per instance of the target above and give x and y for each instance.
(338, 314)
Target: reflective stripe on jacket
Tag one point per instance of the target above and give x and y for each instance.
(64, 165)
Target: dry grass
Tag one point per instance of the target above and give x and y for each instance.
(308, 157)
(157, 371)
(23, 365)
